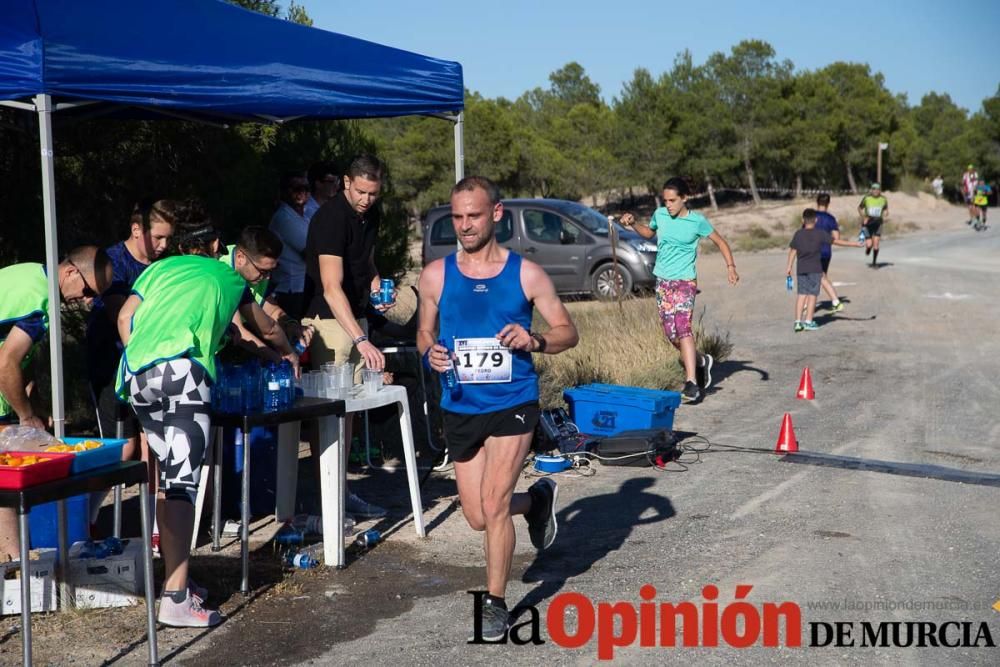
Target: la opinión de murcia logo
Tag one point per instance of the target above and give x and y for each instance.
(706, 624)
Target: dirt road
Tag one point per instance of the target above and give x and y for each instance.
(905, 374)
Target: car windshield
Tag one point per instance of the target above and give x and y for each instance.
(588, 218)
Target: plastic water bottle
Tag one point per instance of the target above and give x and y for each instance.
(287, 381)
(450, 378)
(272, 388)
(300, 561)
(368, 539)
(789, 283)
(239, 442)
(861, 235)
(252, 398)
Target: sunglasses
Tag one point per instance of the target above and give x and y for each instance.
(88, 291)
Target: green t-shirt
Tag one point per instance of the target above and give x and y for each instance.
(677, 243)
(25, 290)
(874, 207)
(187, 303)
(259, 290)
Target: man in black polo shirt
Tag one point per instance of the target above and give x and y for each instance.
(340, 261)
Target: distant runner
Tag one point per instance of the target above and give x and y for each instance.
(874, 209)
(981, 201)
(970, 179)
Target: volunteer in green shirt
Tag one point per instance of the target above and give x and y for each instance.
(24, 322)
(678, 231)
(172, 326)
(874, 209)
(255, 257)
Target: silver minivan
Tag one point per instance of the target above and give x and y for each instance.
(569, 240)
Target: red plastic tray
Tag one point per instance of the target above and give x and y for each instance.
(21, 477)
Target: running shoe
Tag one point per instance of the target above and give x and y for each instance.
(187, 614)
(199, 593)
(542, 525)
(836, 308)
(690, 393)
(798, 326)
(495, 621)
(707, 361)
(362, 508)
(810, 325)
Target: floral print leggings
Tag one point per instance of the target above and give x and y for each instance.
(675, 301)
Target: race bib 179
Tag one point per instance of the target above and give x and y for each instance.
(482, 360)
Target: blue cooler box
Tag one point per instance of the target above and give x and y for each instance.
(607, 409)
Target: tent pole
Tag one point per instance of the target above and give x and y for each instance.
(459, 146)
(44, 105)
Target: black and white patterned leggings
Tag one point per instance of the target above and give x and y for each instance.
(173, 402)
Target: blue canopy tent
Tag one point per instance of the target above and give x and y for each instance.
(198, 60)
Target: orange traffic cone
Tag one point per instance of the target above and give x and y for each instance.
(786, 439)
(806, 386)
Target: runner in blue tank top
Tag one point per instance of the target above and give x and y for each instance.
(485, 296)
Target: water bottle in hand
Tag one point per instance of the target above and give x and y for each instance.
(861, 235)
(272, 388)
(449, 378)
(789, 283)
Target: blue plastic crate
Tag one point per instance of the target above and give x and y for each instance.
(607, 409)
(42, 522)
(109, 453)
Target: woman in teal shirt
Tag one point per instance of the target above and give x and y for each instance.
(678, 231)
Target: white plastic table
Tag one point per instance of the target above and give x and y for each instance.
(333, 467)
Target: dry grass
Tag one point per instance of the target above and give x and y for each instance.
(620, 345)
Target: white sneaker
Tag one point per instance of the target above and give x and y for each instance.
(187, 614)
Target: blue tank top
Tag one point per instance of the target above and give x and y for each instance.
(480, 308)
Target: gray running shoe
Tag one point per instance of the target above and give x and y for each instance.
(496, 622)
(542, 525)
(690, 393)
(187, 614)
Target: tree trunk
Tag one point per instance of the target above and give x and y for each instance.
(711, 192)
(750, 180)
(850, 177)
(798, 185)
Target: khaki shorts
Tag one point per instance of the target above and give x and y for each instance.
(332, 343)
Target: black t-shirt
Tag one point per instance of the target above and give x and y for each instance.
(808, 244)
(336, 229)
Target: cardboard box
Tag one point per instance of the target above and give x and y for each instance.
(115, 581)
(43, 583)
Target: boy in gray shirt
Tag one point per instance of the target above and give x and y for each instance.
(806, 246)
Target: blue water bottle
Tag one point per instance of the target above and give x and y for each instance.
(789, 283)
(238, 443)
(286, 376)
(449, 379)
(861, 235)
(272, 388)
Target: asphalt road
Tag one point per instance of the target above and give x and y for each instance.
(906, 374)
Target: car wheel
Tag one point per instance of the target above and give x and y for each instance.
(610, 282)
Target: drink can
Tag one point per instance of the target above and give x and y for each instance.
(368, 539)
(386, 289)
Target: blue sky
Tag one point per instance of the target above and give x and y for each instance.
(509, 46)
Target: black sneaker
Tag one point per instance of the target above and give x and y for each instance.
(495, 623)
(706, 371)
(690, 393)
(542, 526)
